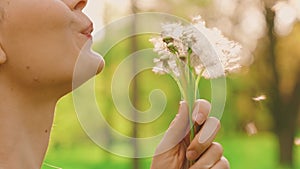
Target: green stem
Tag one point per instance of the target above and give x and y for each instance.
(196, 86)
(188, 86)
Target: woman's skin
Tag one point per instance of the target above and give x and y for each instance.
(40, 41)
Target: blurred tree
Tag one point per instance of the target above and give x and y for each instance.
(283, 84)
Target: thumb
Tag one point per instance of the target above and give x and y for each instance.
(177, 130)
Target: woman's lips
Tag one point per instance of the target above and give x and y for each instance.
(87, 31)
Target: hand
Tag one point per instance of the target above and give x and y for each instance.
(174, 151)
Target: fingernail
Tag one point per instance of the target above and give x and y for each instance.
(209, 129)
(191, 154)
(200, 118)
(181, 103)
(197, 116)
(195, 111)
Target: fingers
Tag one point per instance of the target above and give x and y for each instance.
(201, 110)
(211, 156)
(178, 129)
(222, 164)
(203, 139)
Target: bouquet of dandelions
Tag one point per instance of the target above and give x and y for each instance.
(189, 52)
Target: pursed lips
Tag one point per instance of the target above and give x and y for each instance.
(87, 31)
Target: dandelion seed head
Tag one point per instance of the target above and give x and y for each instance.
(210, 53)
(173, 30)
(215, 51)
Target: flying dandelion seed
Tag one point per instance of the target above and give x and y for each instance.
(251, 129)
(259, 98)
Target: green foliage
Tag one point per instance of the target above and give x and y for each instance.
(247, 152)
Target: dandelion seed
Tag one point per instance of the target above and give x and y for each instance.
(259, 98)
(251, 128)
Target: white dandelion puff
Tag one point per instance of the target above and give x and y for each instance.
(219, 55)
(173, 30)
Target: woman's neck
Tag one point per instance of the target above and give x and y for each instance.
(26, 121)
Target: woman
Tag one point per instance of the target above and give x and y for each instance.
(39, 44)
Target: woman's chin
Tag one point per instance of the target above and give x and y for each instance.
(101, 66)
(88, 64)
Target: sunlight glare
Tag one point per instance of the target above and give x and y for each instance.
(297, 141)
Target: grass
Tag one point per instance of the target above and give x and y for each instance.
(87, 157)
(254, 152)
(246, 152)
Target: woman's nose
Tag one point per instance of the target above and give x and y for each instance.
(76, 4)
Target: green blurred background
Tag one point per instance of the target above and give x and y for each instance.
(261, 122)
